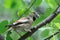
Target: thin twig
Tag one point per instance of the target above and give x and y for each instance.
(29, 7)
(48, 38)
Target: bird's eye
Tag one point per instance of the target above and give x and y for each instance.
(34, 18)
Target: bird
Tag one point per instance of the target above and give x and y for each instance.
(24, 24)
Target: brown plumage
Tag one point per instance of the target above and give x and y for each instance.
(24, 23)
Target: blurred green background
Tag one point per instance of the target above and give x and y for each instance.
(12, 10)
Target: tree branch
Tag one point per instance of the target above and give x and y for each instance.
(48, 38)
(44, 22)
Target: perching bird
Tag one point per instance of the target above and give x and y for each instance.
(24, 23)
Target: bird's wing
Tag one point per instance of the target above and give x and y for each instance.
(21, 21)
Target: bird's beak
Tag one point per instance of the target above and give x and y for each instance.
(36, 15)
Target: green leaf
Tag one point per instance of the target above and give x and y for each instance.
(37, 2)
(51, 3)
(16, 4)
(29, 38)
(8, 36)
(2, 26)
(14, 35)
(36, 35)
(58, 25)
(58, 1)
(7, 3)
(45, 33)
(53, 38)
(21, 11)
(57, 17)
(58, 36)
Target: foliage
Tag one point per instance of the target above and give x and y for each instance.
(11, 10)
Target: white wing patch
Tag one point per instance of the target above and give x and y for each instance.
(22, 21)
(26, 20)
